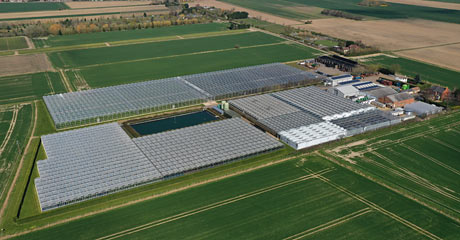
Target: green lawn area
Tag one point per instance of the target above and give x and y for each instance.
(22, 88)
(12, 43)
(133, 52)
(393, 11)
(121, 73)
(274, 202)
(100, 37)
(430, 73)
(29, 7)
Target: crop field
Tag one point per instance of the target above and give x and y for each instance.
(306, 197)
(108, 66)
(427, 72)
(445, 56)
(21, 121)
(30, 15)
(420, 161)
(22, 88)
(5, 121)
(29, 7)
(12, 43)
(392, 11)
(136, 52)
(171, 66)
(77, 39)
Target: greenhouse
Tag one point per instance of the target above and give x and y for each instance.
(90, 162)
(97, 105)
(96, 161)
(103, 104)
(192, 148)
(250, 80)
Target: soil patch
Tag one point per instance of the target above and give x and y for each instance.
(22, 64)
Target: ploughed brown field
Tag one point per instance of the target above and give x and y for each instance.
(14, 65)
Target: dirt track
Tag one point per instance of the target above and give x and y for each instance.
(445, 56)
(424, 3)
(76, 5)
(15, 65)
(252, 13)
(81, 11)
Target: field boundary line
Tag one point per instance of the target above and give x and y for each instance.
(21, 162)
(431, 159)
(378, 208)
(65, 81)
(10, 129)
(214, 205)
(211, 180)
(181, 55)
(330, 224)
(445, 144)
(49, 83)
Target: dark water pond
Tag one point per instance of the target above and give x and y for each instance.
(171, 123)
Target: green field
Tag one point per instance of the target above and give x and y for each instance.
(5, 119)
(275, 202)
(393, 11)
(129, 72)
(421, 161)
(135, 52)
(28, 87)
(100, 37)
(12, 43)
(430, 73)
(271, 27)
(29, 7)
(9, 158)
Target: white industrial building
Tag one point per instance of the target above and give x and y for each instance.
(311, 135)
(336, 80)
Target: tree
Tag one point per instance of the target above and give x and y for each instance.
(55, 29)
(35, 31)
(417, 79)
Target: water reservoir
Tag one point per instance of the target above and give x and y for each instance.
(171, 123)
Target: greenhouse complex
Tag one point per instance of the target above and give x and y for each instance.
(309, 116)
(96, 161)
(98, 105)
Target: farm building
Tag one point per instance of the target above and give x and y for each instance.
(95, 161)
(335, 61)
(97, 105)
(438, 93)
(336, 80)
(305, 117)
(398, 100)
(422, 109)
(380, 93)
